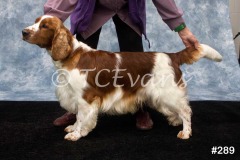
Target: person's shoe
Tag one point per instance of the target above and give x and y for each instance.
(143, 120)
(64, 120)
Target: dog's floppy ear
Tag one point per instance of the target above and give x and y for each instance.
(61, 44)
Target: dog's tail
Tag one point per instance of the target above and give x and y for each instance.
(191, 54)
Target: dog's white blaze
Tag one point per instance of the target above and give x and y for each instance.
(35, 27)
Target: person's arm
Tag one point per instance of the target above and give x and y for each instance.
(169, 12)
(172, 16)
(59, 8)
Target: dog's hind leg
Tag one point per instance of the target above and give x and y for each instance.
(86, 121)
(182, 114)
(177, 109)
(172, 117)
(185, 113)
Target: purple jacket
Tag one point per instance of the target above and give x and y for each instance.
(82, 10)
(81, 16)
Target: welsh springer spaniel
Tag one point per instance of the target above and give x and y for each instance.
(115, 83)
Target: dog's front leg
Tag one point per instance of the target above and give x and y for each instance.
(86, 121)
(74, 130)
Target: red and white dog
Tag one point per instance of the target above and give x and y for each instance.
(115, 83)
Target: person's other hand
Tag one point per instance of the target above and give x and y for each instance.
(188, 38)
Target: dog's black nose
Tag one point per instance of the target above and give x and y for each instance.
(25, 33)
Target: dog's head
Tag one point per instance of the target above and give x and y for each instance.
(49, 32)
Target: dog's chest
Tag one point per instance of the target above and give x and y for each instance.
(70, 89)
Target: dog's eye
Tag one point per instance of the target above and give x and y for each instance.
(44, 26)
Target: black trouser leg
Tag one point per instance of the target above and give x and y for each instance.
(91, 41)
(128, 39)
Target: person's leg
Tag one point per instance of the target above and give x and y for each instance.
(92, 41)
(130, 41)
(143, 120)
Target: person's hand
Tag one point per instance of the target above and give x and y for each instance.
(188, 38)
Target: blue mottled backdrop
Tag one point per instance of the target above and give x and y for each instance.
(26, 70)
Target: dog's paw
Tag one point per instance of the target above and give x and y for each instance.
(69, 129)
(84, 132)
(184, 135)
(73, 136)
